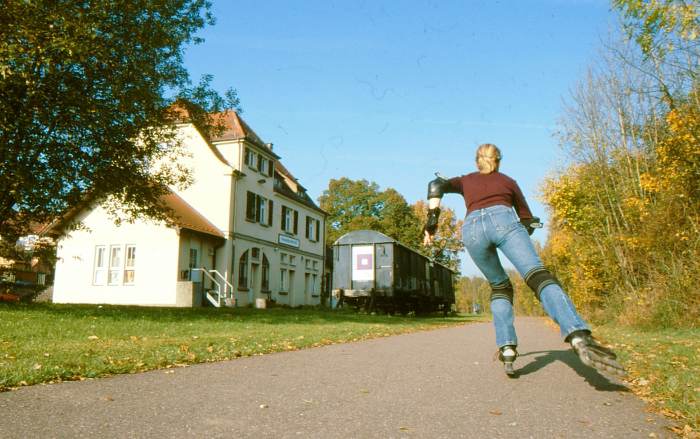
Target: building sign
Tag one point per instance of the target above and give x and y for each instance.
(363, 262)
(287, 240)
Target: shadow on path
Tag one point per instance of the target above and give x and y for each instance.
(568, 357)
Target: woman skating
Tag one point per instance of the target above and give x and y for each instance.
(498, 217)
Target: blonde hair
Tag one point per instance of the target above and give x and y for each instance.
(488, 158)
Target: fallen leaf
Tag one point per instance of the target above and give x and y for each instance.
(264, 406)
(93, 337)
(404, 428)
(496, 412)
(37, 366)
(108, 398)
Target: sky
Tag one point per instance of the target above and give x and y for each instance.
(393, 91)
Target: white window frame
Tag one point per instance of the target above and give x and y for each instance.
(263, 214)
(284, 280)
(129, 267)
(251, 158)
(99, 272)
(115, 267)
(288, 220)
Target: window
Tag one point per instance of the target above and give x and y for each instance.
(98, 277)
(251, 158)
(262, 210)
(315, 265)
(115, 264)
(312, 229)
(290, 220)
(258, 209)
(314, 284)
(258, 162)
(284, 280)
(292, 260)
(263, 165)
(265, 283)
(283, 258)
(193, 258)
(243, 271)
(130, 265)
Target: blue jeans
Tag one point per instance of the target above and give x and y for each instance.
(498, 227)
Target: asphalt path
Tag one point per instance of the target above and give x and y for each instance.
(435, 384)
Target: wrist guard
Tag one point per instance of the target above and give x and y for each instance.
(432, 224)
(531, 224)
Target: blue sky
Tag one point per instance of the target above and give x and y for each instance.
(392, 91)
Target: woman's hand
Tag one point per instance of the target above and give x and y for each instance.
(427, 238)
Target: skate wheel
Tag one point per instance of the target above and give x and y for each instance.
(509, 369)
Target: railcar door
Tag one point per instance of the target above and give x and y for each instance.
(384, 269)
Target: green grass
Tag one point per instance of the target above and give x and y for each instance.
(664, 369)
(42, 343)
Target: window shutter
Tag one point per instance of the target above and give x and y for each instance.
(284, 211)
(308, 223)
(250, 207)
(318, 226)
(269, 212)
(296, 221)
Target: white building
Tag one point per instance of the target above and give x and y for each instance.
(244, 230)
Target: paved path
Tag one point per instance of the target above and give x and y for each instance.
(435, 384)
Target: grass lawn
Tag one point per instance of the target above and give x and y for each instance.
(42, 343)
(664, 369)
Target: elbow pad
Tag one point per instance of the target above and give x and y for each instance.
(438, 187)
(432, 224)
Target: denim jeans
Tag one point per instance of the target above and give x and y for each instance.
(498, 227)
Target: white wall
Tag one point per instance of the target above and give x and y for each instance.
(210, 191)
(155, 268)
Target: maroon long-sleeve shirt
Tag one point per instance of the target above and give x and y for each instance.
(484, 190)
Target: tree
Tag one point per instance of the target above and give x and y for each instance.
(360, 204)
(351, 205)
(658, 26)
(87, 91)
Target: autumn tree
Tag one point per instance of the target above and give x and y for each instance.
(86, 94)
(625, 229)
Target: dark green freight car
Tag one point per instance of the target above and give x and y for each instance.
(376, 272)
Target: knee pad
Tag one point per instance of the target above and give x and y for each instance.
(502, 290)
(539, 278)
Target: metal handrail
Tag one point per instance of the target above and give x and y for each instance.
(226, 283)
(217, 301)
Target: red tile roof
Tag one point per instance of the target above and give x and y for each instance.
(235, 128)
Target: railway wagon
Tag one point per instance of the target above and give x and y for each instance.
(373, 271)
